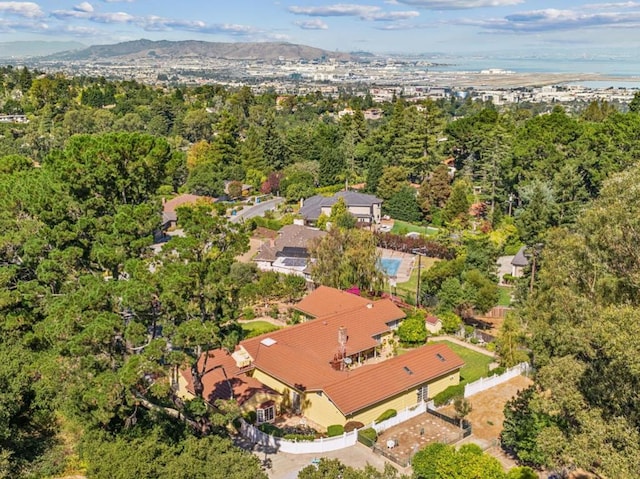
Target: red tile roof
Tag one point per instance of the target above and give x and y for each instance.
(325, 301)
(300, 356)
(217, 386)
(312, 345)
(432, 319)
(369, 385)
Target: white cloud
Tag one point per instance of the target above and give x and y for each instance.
(459, 4)
(603, 6)
(364, 12)
(551, 19)
(84, 7)
(315, 24)
(97, 17)
(23, 9)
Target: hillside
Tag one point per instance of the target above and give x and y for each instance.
(140, 49)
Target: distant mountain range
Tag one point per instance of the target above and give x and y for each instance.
(9, 50)
(165, 50)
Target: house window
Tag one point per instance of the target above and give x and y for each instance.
(266, 414)
(423, 393)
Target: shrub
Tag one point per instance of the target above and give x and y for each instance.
(388, 414)
(508, 278)
(497, 371)
(268, 223)
(248, 313)
(295, 318)
(352, 425)
(274, 312)
(270, 429)
(299, 437)
(448, 394)
(335, 430)
(368, 436)
(251, 417)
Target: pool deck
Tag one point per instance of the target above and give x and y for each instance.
(407, 261)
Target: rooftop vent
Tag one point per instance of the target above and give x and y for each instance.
(440, 357)
(268, 342)
(369, 305)
(407, 370)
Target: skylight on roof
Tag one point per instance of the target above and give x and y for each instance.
(440, 357)
(268, 342)
(407, 370)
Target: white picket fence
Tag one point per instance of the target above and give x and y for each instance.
(483, 384)
(401, 417)
(298, 447)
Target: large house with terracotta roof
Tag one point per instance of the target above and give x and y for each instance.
(336, 368)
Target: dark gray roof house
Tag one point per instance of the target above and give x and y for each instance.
(520, 260)
(367, 208)
(288, 252)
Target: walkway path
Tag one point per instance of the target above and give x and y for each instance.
(474, 347)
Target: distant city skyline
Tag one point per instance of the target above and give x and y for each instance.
(524, 27)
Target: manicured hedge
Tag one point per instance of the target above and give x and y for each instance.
(448, 394)
(335, 430)
(368, 436)
(388, 414)
(299, 437)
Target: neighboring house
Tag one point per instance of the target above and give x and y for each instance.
(433, 324)
(288, 252)
(245, 190)
(331, 369)
(169, 207)
(366, 208)
(519, 263)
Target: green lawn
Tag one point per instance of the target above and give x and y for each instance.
(505, 296)
(256, 328)
(476, 365)
(402, 227)
(409, 287)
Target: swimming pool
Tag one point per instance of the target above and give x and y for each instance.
(389, 266)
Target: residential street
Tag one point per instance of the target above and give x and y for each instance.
(256, 210)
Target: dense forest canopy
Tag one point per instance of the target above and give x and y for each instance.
(94, 324)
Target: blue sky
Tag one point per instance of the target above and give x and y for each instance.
(417, 26)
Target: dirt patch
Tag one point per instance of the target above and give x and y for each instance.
(401, 442)
(264, 233)
(254, 246)
(487, 415)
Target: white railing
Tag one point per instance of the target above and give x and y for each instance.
(298, 447)
(401, 417)
(483, 384)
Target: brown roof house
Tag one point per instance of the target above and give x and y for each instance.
(288, 252)
(169, 207)
(332, 369)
